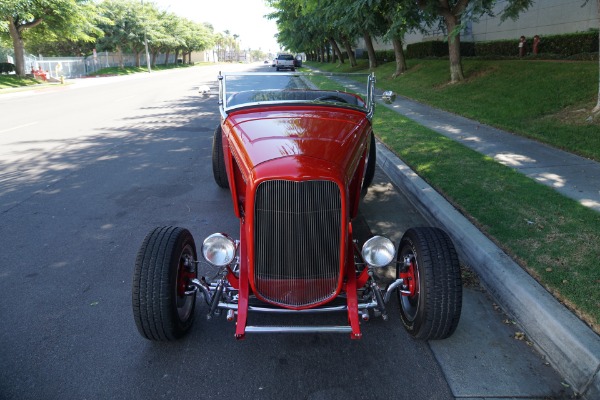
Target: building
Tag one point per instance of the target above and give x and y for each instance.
(544, 17)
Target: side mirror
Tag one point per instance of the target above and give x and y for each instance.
(388, 97)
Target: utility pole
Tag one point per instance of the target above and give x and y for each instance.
(146, 44)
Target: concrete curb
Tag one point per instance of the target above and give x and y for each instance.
(572, 347)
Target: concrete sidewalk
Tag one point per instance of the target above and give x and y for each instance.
(571, 175)
(569, 344)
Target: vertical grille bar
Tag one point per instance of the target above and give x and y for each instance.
(297, 241)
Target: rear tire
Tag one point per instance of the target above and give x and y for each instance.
(218, 159)
(433, 311)
(161, 310)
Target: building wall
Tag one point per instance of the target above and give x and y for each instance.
(544, 17)
(203, 56)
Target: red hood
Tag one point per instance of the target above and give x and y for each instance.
(325, 133)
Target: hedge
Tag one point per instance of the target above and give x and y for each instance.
(436, 48)
(573, 45)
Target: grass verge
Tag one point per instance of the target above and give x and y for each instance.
(552, 237)
(136, 70)
(13, 81)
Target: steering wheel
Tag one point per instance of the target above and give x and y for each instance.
(331, 97)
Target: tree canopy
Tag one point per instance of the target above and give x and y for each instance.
(76, 27)
(308, 25)
(68, 19)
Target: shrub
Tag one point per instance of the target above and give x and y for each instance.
(381, 56)
(551, 46)
(6, 68)
(437, 48)
(580, 45)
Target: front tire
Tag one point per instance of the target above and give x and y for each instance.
(163, 267)
(369, 167)
(218, 159)
(432, 310)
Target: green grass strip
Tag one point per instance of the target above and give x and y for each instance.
(13, 81)
(136, 70)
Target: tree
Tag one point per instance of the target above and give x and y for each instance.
(163, 39)
(193, 37)
(454, 13)
(401, 16)
(69, 19)
(119, 26)
(314, 24)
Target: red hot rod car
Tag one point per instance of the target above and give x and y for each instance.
(296, 161)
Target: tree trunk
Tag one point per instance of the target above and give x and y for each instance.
(336, 51)
(167, 54)
(18, 46)
(456, 70)
(370, 50)
(350, 52)
(400, 60)
(120, 52)
(138, 62)
(153, 59)
(176, 55)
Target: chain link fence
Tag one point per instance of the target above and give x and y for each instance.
(77, 67)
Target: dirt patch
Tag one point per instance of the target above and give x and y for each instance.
(580, 115)
(480, 73)
(470, 77)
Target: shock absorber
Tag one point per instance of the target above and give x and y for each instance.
(378, 297)
(216, 299)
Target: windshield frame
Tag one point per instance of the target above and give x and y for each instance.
(368, 98)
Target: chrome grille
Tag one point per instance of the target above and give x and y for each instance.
(297, 241)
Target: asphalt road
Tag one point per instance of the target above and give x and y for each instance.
(86, 171)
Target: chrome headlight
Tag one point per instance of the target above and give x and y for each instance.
(378, 251)
(218, 249)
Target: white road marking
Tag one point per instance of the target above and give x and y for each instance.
(17, 127)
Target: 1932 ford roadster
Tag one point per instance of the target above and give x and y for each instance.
(296, 161)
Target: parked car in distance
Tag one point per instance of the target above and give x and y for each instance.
(274, 63)
(296, 162)
(266, 62)
(285, 61)
(298, 61)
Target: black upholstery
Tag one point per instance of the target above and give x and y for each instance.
(253, 96)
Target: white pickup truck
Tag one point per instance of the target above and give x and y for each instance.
(285, 61)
